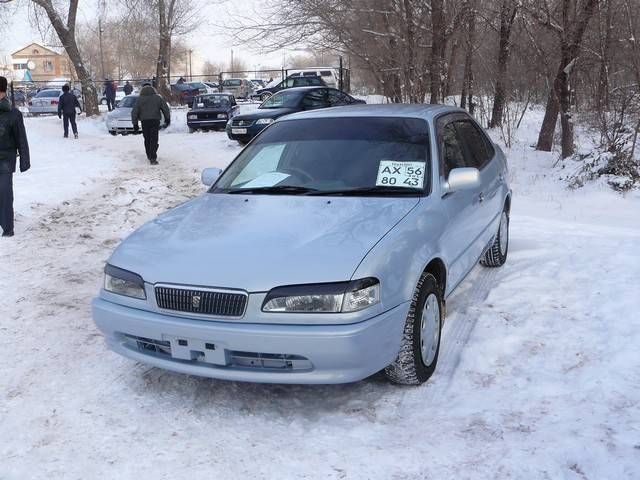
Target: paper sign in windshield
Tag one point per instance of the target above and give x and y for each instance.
(400, 174)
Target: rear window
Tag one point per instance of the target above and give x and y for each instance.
(128, 102)
(232, 83)
(309, 74)
(326, 73)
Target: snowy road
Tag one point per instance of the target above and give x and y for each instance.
(539, 375)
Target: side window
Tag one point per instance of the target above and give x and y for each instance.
(474, 144)
(289, 82)
(452, 154)
(336, 97)
(315, 99)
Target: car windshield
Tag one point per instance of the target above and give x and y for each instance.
(128, 102)
(49, 93)
(212, 101)
(284, 99)
(333, 156)
(197, 85)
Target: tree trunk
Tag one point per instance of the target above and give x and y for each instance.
(163, 72)
(67, 35)
(602, 92)
(466, 99)
(559, 97)
(450, 67)
(437, 45)
(507, 16)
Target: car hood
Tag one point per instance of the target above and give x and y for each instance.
(120, 112)
(266, 113)
(257, 242)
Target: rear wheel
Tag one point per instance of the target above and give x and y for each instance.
(418, 355)
(497, 254)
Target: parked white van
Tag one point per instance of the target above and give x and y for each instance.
(328, 74)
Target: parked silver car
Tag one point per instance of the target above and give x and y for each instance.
(118, 121)
(46, 101)
(324, 253)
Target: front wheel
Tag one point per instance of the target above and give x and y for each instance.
(420, 346)
(497, 253)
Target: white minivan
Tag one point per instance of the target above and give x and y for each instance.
(328, 74)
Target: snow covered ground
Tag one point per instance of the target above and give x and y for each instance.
(539, 376)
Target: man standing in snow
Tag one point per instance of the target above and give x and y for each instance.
(13, 138)
(149, 109)
(67, 111)
(127, 88)
(110, 94)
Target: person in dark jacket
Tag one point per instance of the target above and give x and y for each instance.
(13, 138)
(127, 88)
(149, 109)
(110, 94)
(67, 105)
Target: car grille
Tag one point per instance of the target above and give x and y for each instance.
(201, 302)
(209, 116)
(242, 123)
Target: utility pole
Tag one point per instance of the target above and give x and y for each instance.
(101, 54)
(231, 66)
(190, 71)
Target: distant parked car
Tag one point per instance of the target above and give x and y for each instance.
(328, 75)
(118, 121)
(202, 87)
(212, 85)
(184, 92)
(238, 87)
(244, 127)
(212, 111)
(312, 81)
(46, 101)
(119, 95)
(258, 83)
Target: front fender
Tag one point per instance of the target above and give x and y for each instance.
(401, 256)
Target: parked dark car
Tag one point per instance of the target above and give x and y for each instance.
(244, 127)
(211, 111)
(184, 92)
(290, 82)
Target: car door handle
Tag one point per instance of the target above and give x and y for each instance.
(481, 197)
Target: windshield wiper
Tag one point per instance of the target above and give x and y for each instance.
(370, 191)
(275, 189)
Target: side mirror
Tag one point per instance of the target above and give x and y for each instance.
(210, 175)
(462, 179)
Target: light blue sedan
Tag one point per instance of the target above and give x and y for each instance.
(324, 253)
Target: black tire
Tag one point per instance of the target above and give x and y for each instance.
(113, 133)
(192, 130)
(103, 101)
(409, 368)
(497, 253)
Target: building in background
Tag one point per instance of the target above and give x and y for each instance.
(43, 64)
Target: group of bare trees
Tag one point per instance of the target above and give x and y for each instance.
(575, 56)
(142, 30)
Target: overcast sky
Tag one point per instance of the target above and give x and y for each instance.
(207, 43)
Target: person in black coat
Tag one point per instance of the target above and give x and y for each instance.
(127, 88)
(67, 105)
(110, 94)
(13, 139)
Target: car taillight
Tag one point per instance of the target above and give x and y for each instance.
(54, 102)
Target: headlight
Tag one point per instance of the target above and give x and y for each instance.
(192, 115)
(324, 297)
(222, 115)
(265, 121)
(123, 282)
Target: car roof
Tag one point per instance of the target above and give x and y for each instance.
(416, 110)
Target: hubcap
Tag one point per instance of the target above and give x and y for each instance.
(504, 233)
(430, 329)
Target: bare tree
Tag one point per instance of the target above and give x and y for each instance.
(508, 10)
(64, 25)
(574, 21)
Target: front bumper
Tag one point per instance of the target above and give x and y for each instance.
(252, 131)
(313, 354)
(209, 123)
